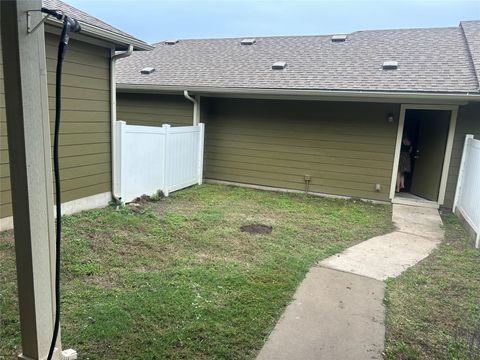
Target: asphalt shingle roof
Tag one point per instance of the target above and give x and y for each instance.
(84, 17)
(471, 31)
(429, 60)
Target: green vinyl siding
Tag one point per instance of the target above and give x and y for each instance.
(85, 129)
(154, 110)
(5, 208)
(468, 122)
(346, 148)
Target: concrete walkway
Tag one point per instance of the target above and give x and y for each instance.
(337, 311)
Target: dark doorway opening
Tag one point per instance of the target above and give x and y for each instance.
(427, 131)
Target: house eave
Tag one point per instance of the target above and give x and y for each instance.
(120, 41)
(340, 95)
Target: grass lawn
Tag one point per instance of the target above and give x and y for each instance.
(178, 279)
(433, 309)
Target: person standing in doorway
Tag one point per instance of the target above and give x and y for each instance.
(405, 163)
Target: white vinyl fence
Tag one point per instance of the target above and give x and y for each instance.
(151, 159)
(467, 196)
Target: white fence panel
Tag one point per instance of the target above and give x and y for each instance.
(152, 158)
(467, 196)
(183, 157)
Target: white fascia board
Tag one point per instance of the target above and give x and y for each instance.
(358, 94)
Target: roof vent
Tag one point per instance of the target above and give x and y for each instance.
(147, 70)
(279, 65)
(390, 65)
(171, 42)
(248, 41)
(339, 38)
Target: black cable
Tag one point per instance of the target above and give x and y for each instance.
(68, 24)
(58, 195)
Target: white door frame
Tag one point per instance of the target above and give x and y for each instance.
(448, 149)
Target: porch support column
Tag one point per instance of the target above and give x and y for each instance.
(28, 130)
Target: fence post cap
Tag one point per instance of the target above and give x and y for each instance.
(166, 125)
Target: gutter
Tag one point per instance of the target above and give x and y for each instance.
(113, 118)
(340, 94)
(97, 32)
(196, 107)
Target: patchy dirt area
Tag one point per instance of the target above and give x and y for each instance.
(256, 229)
(181, 207)
(104, 281)
(141, 202)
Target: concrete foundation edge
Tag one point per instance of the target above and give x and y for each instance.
(70, 207)
(269, 188)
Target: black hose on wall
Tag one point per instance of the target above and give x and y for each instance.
(69, 24)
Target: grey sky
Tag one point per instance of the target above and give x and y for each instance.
(153, 21)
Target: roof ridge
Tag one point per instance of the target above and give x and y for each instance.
(316, 35)
(476, 70)
(249, 37)
(408, 28)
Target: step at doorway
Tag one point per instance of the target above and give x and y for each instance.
(405, 198)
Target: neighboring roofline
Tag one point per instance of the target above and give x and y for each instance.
(360, 94)
(328, 36)
(470, 52)
(110, 36)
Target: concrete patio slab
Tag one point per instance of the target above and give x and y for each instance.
(334, 315)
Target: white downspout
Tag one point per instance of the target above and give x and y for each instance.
(196, 107)
(113, 115)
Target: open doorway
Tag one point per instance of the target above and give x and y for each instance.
(422, 154)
